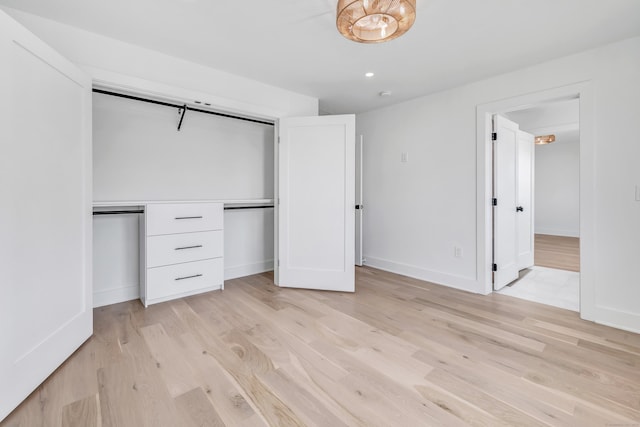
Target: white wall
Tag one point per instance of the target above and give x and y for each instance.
(416, 212)
(557, 186)
(138, 154)
(116, 260)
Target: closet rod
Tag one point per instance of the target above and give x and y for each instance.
(227, 208)
(138, 211)
(180, 107)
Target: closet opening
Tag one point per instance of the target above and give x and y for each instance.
(140, 157)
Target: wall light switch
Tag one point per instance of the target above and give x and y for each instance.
(457, 252)
(404, 157)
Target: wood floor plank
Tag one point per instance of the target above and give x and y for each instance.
(398, 351)
(196, 408)
(559, 252)
(82, 413)
(226, 395)
(177, 374)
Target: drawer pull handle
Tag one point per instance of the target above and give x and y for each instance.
(189, 277)
(189, 217)
(188, 247)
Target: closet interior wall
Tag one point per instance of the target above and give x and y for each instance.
(139, 155)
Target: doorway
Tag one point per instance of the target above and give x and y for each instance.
(553, 278)
(584, 93)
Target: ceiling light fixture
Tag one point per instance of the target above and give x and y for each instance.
(545, 139)
(369, 74)
(375, 21)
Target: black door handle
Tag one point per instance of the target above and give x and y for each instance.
(519, 209)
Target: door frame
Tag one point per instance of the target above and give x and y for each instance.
(484, 217)
(359, 195)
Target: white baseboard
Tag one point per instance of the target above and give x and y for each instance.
(557, 232)
(618, 319)
(247, 269)
(444, 279)
(116, 295)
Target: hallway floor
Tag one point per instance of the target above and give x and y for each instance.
(559, 288)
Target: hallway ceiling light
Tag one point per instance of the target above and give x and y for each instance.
(545, 139)
(375, 21)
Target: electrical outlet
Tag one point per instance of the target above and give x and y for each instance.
(457, 252)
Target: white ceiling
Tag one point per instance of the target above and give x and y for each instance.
(294, 44)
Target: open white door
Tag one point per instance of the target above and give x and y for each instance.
(45, 214)
(359, 203)
(505, 260)
(316, 225)
(524, 210)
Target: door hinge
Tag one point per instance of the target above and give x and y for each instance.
(278, 140)
(495, 267)
(278, 263)
(494, 202)
(494, 136)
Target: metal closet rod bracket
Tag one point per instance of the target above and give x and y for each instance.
(184, 110)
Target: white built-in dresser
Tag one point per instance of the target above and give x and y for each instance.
(181, 250)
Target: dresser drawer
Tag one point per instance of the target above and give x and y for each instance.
(178, 248)
(184, 279)
(170, 218)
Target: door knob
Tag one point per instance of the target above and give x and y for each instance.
(519, 209)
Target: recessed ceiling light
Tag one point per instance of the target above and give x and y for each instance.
(369, 74)
(385, 93)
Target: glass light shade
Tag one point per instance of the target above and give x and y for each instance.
(375, 21)
(545, 139)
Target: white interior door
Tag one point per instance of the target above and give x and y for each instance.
(505, 260)
(524, 210)
(316, 213)
(359, 202)
(45, 211)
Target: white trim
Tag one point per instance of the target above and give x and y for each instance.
(247, 269)
(554, 129)
(617, 319)
(121, 203)
(458, 282)
(116, 295)
(584, 91)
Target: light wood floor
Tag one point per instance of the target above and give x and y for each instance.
(557, 252)
(398, 352)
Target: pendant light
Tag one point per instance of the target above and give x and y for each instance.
(375, 21)
(545, 139)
